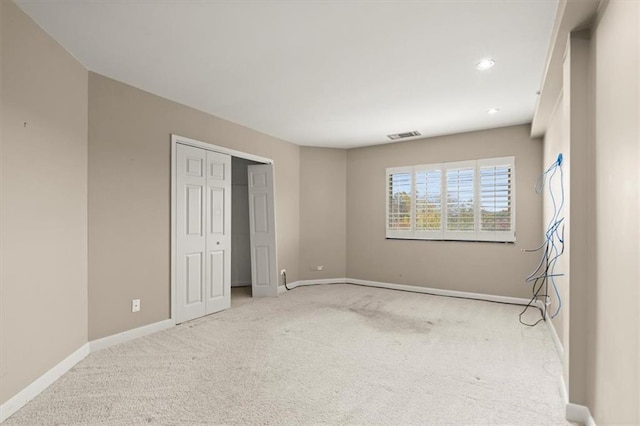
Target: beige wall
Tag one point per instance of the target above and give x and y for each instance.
(614, 361)
(323, 212)
(556, 141)
(330, 209)
(580, 203)
(568, 133)
(600, 126)
(44, 203)
(490, 268)
(576, 119)
(129, 192)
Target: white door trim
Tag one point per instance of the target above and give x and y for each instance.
(221, 149)
(175, 140)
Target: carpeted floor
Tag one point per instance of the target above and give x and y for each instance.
(337, 354)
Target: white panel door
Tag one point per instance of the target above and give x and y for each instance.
(203, 227)
(262, 228)
(190, 229)
(218, 232)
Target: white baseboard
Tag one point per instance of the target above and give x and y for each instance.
(125, 336)
(574, 412)
(44, 381)
(412, 288)
(441, 292)
(579, 414)
(564, 391)
(41, 383)
(47, 379)
(554, 336)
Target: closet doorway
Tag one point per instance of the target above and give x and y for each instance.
(240, 235)
(222, 227)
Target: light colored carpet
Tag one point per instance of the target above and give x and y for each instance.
(338, 354)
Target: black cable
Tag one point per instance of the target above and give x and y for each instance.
(543, 281)
(284, 278)
(536, 296)
(552, 248)
(548, 262)
(412, 291)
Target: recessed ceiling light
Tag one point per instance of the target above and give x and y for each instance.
(485, 64)
(493, 111)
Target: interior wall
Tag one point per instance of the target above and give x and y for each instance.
(614, 353)
(568, 133)
(43, 286)
(556, 141)
(323, 213)
(578, 228)
(489, 268)
(129, 198)
(240, 235)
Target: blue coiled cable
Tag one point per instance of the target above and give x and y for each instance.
(552, 247)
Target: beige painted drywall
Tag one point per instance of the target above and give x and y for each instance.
(129, 198)
(556, 141)
(490, 268)
(576, 119)
(323, 212)
(44, 203)
(614, 388)
(568, 133)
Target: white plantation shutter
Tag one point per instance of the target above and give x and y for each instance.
(460, 199)
(399, 202)
(497, 199)
(467, 200)
(428, 201)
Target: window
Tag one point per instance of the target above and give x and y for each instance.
(400, 201)
(467, 200)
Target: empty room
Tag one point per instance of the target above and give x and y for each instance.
(320, 212)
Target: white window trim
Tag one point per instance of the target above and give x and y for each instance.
(443, 234)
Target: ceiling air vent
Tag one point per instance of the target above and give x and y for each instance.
(404, 135)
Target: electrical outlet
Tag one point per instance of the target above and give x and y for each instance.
(283, 271)
(316, 268)
(135, 305)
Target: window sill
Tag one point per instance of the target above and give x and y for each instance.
(445, 240)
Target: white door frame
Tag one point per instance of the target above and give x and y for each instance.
(176, 139)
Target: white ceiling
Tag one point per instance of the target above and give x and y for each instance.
(321, 73)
